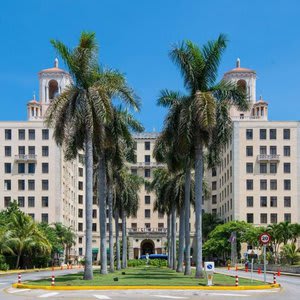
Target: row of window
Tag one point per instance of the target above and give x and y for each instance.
(22, 134)
(30, 184)
(263, 184)
(264, 218)
(147, 145)
(273, 150)
(22, 168)
(263, 168)
(30, 201)
(22, 150)
(286, 134)
(147, 172)
(272, 203)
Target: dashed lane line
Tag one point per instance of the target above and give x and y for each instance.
(227, 295)
(18, 291)
(48, 295)
(169, 297)
(101, 297)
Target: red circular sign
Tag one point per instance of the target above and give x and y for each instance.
(265, 238)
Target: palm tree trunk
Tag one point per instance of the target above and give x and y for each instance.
(181, 241)
(18, 260)
(170, 249)
(88, 268)
(117, 240)
(198, 204)
(174, 236)
(110, 222)
(102, 210)
(124, 241)
(187, 207)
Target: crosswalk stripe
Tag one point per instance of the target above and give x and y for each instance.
(229, 295)
(48, 295)
(101, 297)
(18, 291)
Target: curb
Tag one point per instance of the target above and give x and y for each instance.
(144, 287)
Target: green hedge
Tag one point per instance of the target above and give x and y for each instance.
(143, 262)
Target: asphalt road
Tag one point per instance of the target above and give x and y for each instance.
(290, 290)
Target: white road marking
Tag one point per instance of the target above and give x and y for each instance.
(48, 295)
(169, 297)
(2, 283)
(18, 291)
(101, 297)
(229, 295)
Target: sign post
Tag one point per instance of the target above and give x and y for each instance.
(265, 239)
(209, 267)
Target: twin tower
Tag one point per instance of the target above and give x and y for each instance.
(53, 81)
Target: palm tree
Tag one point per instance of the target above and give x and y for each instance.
(209, 101)
(25, 236)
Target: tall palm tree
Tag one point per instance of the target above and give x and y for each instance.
(209, 101)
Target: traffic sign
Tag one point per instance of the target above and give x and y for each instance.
(265, 238)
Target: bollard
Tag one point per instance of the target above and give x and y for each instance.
(61, 267)
(19, 278)
(246, 269)
(228, 267)
(236, 267)
(53, 280)
(52, 268)
(274, 278)
(278, 272)
(236, 280)
(258, 271)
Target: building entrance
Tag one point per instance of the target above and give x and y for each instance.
(147, 247)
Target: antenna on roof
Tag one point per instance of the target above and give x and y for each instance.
(238, 63)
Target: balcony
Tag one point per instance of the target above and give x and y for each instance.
(147, 230)
(268, 157)
(147, 165)
(25, 157)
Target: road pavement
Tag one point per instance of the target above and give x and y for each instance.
(289, 291)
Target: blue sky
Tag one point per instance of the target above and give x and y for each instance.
(135, 37)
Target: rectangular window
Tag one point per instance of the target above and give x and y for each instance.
(31, 150)
(263, 134)
(263, 168)
(45, 151)
(273, 201)
(147, 145)
(147, 213)
(45, 168)
(273, 218)
(214, 199)
(147, 159)
(45, 185)
(31, 201)
(287, 201)
(213, 172)
(249, 134)
(21, 134)
(80, 199)
(263, 218)
(80, 240)
(249, 151)
(31, 134)
(161, 225)
(286, 150)
(249, 201)
(273, 168)
(7, 201)
(80, 185)
(31, 168)
(7, 150)
(80, 213)
(286, 168)
(287, 218)
(263, 201)
(262, 150)
(134, 225)
(273, 150)
(94, 213)
(45, 218)
(272, 134)
(31, 216)
(250, 218)
(135, 145)
(160, 215)
(214, 185)
(21, 201)
(80, 172)
(287, 184)
(273, 184)
(7, 168)
(147, 199)
(249, 168)
(249, 184)
(134, 171)
(147, 173)
(7, 185)
(7, 133)
(31, 185)
(21, 185)
(286, 134)
(45, 134)
(21, 150)
(45, 201)
(263, 185)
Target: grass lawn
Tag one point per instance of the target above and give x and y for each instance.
(150, 276)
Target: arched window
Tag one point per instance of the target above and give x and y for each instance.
(53, 89)
(242, 85)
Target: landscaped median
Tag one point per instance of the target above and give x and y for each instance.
(144, 278)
